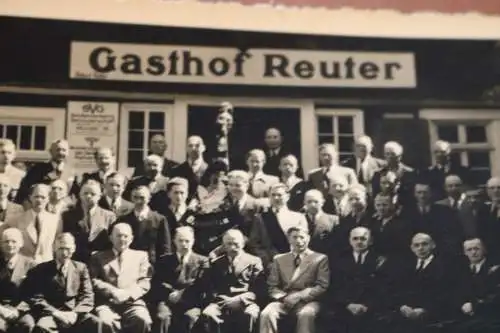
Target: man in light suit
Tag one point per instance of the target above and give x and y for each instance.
(60, 292)
(13, 174)
(8, 211)
(363, 162)
(59, 201)
(328, 156)
(268, 234)
(259, 182)
(112, 199)
(121, 278)
(152, 178)
(39, 227)
(105, 160)
(296, 283)
(13, 270)
(233, 282)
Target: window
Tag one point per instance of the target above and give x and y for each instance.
(140, 124)
(470, 145)
(339, 127)
(26, 137)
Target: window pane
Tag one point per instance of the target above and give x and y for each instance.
(326, 139)
(480, 176)
(479, 159)
(135, 139)
(346, 125)
(345, 144)
(448, 133)
(1, 131)
(344, 156)
(40, 137)
(26, 132)
(325, 125)
(136, 120)
(455, 158)
(134, 158)
(476, 133)
(12, 133)
(157, 120)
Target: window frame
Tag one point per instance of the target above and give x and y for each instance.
(52, 118)
(125, 110)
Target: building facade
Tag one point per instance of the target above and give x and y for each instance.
(117, 85)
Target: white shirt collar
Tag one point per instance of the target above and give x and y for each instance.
(118, 201)
(426, 261)
(301, 255)
(363, 256)
(186, 257)
(11, 263)
(478, 265)
(143, 213)
(91, 212)
(257, 175)
(58, 166)
(459, 201)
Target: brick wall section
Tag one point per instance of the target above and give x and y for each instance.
(491, 7)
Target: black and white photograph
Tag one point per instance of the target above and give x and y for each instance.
(167, 179)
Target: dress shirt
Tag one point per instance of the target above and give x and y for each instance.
(185, 259)
(114, 206)
(3, 205)
(424, 209)
(425, 261)
(477, 267)
(291, 181)
(195, 164)
(242, 202)
(274, 152)
(179, 211)
(11, 263)
(143, 214)
(58, 167)
(357, 255)
(63, 268)
(460, 200)
(283, 218)
(104, 174)
(94, 228)
(361, 167)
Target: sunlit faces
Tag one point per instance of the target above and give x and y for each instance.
(273, 138)
(233, 242)
(115, 185)
(363, 146)
(237, 184)
(39, 196)
(153, 165)
(357, 198)
(298, 239)
(493, 188)
(256, 160)
(58, 190)
(158, 144)
(422, 193)
(178, 194)
(442, 150)
(384, 205)
(338, 186)
(65, 246)
(5, 187)
(90, 193)
(59, 150)
(141, 196)
(11, 241)
(360, 239)
(225, 119)
(195, 147)
(7, 151)
(278, 195)
(184, 239)
(121, 237)
(393, 152)
(288, 165)
(328, 155)
(105, 159)
(422, 245)
(313, 201)
(453, 186)
(474, 250)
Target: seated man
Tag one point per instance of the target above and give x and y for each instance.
(176, 291)
(478, 293)
(232, 283)
(121, 278)
(296, 282)
(13, 270)
(60, 292)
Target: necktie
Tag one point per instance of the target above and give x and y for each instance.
(237, 205)
(38, 226)
(231, 266)
(182, 275)
(251, 185)
(420, 266)
(297, 260)
(113, 205)
(10, 267)
(474, 269)
(119, 258)
(455, 204)
(359, 259)
(88, 218)
(361, 178)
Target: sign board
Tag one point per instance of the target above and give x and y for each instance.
(91, 125)
(223, 65)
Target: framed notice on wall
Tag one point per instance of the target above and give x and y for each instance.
(91, 125)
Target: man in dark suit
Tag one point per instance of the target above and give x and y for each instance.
(437, 173)
(44, 173)
(152, 178)
(121, 278)
(419, 289)
(489, 219)
(105, 160)
(112, 199)
(157, 146)
(60, 292)
(193, 169)
(150, 229)
(233, 282)
(363, 162)
(13, 270)
(296, 186)
(297, 281)
(176, 289)
(356, 293)
(7, 169)
(478, 293)
(275, 151)
(88, 222)
(9, 211)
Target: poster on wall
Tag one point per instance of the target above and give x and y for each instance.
(91, 125)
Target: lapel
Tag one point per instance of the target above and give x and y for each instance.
(10, 211)
(18, 273)
(113, 263)
(128, 265)
(304, 265)
(71, 276)
(52, 271)
(30, 226)
(288, 267)
(240, 265)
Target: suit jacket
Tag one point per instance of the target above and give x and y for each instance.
(311, 279)
(260, 185)
(245, 281)
(50, 291)
(373, 165)
(169, 224)
(392, 238)
(156, 187)
(273, 162)
(488, 229)
(124, 208)
(11, 214)
(12, 287)
(168, 278)
(15, 176)
(340, 235)
(406, 178)
(318, 180)
(38, 247)
(133, 276)
(466, 216)
(61, 207)
(150, 234)
(44, 173)
(185, 171)
(436, 177)
(267, 237)
(95, 175)
(296, 192)
(344, 208)
(321, 230)
(74, 222)
(168, 166)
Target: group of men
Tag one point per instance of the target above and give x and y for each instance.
(361, 245)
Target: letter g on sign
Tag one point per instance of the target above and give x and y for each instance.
(102, 60)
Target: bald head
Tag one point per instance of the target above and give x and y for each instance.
(233, 242)
(453, 186)
(11, 241)
(422, 245)
(360, 239)
(121, 236)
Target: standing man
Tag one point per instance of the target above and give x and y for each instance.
(112, 199)
(489, 218)
(105, 160)
(259, 182)
(45, 173)
(152, 177)
(60, 292)
(158, 146)
(297, 281)
(275, 151)
(15, 175)
(9, 211)
(121, 278)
